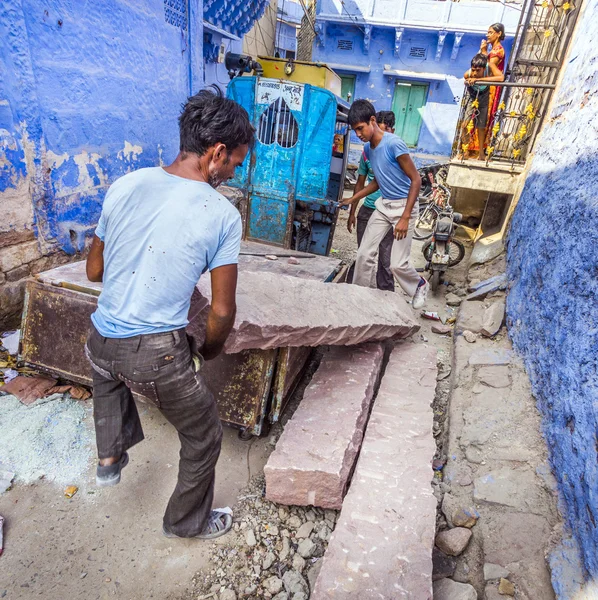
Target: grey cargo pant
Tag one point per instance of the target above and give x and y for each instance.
(159, 367)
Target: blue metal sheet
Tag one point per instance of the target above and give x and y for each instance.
(267, 220)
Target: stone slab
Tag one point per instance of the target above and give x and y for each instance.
(383, 541)
(494, 315)
(471, 317)
(481, 289)
(298, 312)
(507, 486)
(491, 357)
(316, 452)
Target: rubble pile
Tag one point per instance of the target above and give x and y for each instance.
(273, 551)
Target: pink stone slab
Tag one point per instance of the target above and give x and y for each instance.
(316, 453)
(383, 541)
(275, 311)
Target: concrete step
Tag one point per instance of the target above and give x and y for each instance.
(383, 541)
(316, 452)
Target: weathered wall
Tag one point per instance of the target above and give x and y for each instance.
(441, 111)
(260, 39)
(553, 263)
(88, 92)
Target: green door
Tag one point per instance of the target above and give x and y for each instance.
(348, 87)
(407, 105)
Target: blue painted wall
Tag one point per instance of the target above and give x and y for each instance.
(553, 262)
(441, 111)
(92, 90)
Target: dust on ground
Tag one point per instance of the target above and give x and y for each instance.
(51, 438)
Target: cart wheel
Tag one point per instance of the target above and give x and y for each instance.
(435, 280)
(245, 435)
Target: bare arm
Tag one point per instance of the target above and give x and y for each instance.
(358, 187)
(222, 310)
(411, 171)
(94, 266)
(366, 191)
(497, 74)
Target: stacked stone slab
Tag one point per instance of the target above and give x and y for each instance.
(275, 311)
(383, 541)
(316, 453)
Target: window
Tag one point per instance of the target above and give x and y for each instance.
(345, 44)
(175, 13)
(418, 52)
(278, 125)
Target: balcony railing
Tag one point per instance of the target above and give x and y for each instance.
(511, 131)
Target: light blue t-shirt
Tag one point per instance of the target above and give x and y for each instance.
(160, 233)
(393, 181)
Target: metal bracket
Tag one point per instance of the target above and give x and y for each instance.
(398, 39)
(441, 39)
(456, 45)
(367, 37)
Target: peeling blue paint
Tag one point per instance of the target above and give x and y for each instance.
(553, 262)
(92, 91)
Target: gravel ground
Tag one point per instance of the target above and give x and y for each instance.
(273, 551)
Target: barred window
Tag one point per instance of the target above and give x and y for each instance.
(278, 125)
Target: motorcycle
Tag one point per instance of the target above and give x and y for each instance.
(443, 250)
(431, 174)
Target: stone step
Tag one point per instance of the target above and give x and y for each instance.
(383, 541)
(316, 452)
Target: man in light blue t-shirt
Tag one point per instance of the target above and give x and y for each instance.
(159, 230)
(384, 278)
(397, 209)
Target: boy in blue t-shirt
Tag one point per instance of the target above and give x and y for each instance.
(365, 175)
(397, 209)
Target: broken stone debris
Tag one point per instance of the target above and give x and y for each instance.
(441, 329)
(452, 299)
(492, 571)
(470, 336)
(506, 588)
(390, 492)
(300, 312)
(465, 517)
(447, 589)
(493, 318)
(316, 452)
(6, 478)
(481, 289)
(453, 541)
(10, 341)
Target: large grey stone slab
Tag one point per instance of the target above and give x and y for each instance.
(480, 290)
(491, 357)
(383, 541)
(281, 311)
(507, 486)
(316, 452)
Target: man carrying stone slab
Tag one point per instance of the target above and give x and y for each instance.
(399, 181)
(159, 230)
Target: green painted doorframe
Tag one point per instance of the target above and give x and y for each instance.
(407, 104)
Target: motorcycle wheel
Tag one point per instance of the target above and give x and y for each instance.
(435, 280)
(456, 252)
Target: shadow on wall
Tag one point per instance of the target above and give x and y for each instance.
(553, 319)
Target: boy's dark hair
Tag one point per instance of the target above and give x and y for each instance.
(208, 118)
(479, 61)
(499, 28)
(387, 117)
(361, 111)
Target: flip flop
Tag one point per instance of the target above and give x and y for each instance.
(110, 474)
(219, 524)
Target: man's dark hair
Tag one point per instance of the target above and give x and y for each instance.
(479, 61)
(387, 117)
(361, 111)
(208, 118)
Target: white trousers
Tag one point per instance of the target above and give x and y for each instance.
(386, 216)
